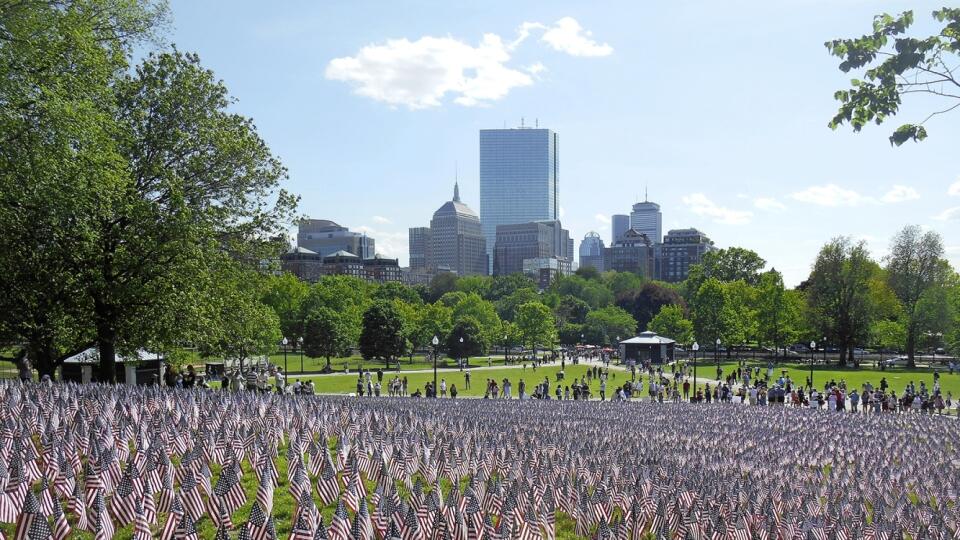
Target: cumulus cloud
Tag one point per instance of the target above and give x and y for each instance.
(954, 189)
(769, 204)
(830, 195)
(566, 35)
(602, 218)
(381, 220)
(900, 194)
(420, 74)
(700, 204)
(950, 214)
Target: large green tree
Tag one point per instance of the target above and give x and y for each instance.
(349, 296)
(918, 274)
(712, 314)
(838, 294)
(672, 323)
(535, 324)
(896, 66)
(778, 310)
(381, 337)
(285, 293)
(325, 335)
(646, 302)
(730, 264)
(604, 325)
(474, 343)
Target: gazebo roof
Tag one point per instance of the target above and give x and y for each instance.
(648, 338)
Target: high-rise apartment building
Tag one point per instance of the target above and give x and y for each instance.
(591, 251)
(619, 223)
(647, 219)
(518, 178)
(680, 249)
(634, 252)
(324, 237)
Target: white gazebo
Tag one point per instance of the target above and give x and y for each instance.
(647, 347)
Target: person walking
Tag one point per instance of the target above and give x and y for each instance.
(453, 391)
(603, 389)
(466, 379)
(443, 388)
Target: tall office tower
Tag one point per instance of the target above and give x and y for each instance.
(518, 178)
(456, 239)
(325, 237)
(591, 251)
(532, 243)
(619, 223)
(647, 219)
(419, 238)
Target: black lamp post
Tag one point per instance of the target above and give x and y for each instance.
(813, 356)
(284, 342)
(435, 342)
(506, 355)
(461, 354)
(716, 356)
(695, 347)
(824, 345)
(300, 346)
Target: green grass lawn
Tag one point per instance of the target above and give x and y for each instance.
(897, 377)
(347, 384)
(292, 363)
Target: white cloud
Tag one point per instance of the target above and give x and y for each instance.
(566, 35)
(602, 218)
(830, 195)
(950, 214)
(418, 74)
(900, 194)
(381, 220)
(699, 204)
(769, 204)
(422, 73)
(954, 189)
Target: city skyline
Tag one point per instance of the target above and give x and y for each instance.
(724, 147)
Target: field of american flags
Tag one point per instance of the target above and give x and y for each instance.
(122, 462)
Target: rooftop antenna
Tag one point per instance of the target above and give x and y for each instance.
(645, 193)
(536, 122)
(521, 122)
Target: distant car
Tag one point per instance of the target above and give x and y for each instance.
(833, 350)
(800, 348)
(896, 361)
(940, 350)
(859, 351)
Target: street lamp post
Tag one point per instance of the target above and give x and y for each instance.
(461, 354)
(695, 347)
(300, 346)
(284, 343)
(813, 356)
(824, 345)
(506, 355)
(435, 342)
(716, 356)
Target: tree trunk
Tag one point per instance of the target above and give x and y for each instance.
(108, 356)
(911, 347)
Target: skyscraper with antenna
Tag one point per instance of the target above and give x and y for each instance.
(646, 218)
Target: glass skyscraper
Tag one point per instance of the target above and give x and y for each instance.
(647, 219)
(518, 178)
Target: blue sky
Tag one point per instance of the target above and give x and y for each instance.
(720, 109)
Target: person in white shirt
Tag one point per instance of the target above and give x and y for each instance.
(443, 388)
(278, 380)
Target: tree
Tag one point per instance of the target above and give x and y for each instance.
(393, 290)
(604, 325)
(535, 324)
(646, 302)
(672, 323)
(504, 286)
(58, 61)
(481, 311)
(726, 265)
(382, 334)
(838, 294)
(431, 320)
(325, 335)
(621, 282)
(236, 325)
(779, 311)
(588, 272)
(742, 325)
(348, 296)
(507, 306)
(441, 284)
(474, 343)
(888, 335)
(285, 294)
(898, 66)
(711, 313)
(916, 272)
(570, 333)
(593, 292)
(475, 284)
(572, 310)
